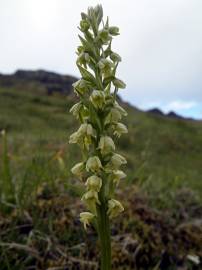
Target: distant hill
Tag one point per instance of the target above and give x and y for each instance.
(159, 146)
(171, 114)
(44, 81)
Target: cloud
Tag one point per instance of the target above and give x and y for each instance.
(179, 105)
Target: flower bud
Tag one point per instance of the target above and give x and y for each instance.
(114, 208)
(75, 109)
(91, 199)
(78, 169)
(114, 30)
(99, 13)
(84, 24)
(117, 160)
(115, 57)
(93, 164)
(119, 83)
(86, 218)
(120, 129)
(104, 36)
(84, 16)
(94, 183)
(98, 99)
(117, 176)
(90, 12)
(106, 144)
(75, 138)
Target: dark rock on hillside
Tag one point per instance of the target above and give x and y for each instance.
(49, 81)
(174, 115)
(156, 111)
(177, 116)
(171, 114)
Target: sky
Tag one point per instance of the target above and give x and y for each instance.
(160, 45)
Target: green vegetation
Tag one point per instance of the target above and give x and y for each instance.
(163, 190)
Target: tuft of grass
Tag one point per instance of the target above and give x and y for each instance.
(7, 188)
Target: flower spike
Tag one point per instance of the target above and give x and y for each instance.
(100, 123)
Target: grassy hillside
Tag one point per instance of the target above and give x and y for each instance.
(164, 172)
(163, 154)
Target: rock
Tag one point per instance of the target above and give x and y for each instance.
(174, 115)
(156, 111)
(50, 81)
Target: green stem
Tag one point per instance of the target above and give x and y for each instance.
(104, 233)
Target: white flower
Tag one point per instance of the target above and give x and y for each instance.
(194, 258)
(94, 183)
(93, 164)
(98, 99)
(83, 135)
(80, 87)
(91, 195)
(78, 169)
(75, 138)
(114, 208)
(113, 116)
(79, 111)
(120, 109)
(120, 129)
(106, 144)
(86, 130)
(105, 63)
(117, 175)
(117, 160)
(75, 109)
(91, 199)
(106, 66)
(86, 218)
(3, 132)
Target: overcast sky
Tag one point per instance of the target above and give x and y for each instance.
(160, 44)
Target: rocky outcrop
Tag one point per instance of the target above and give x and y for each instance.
(156, 111)
(171, 114)
(49, 81)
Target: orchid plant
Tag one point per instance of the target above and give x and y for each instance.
(99, 114)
